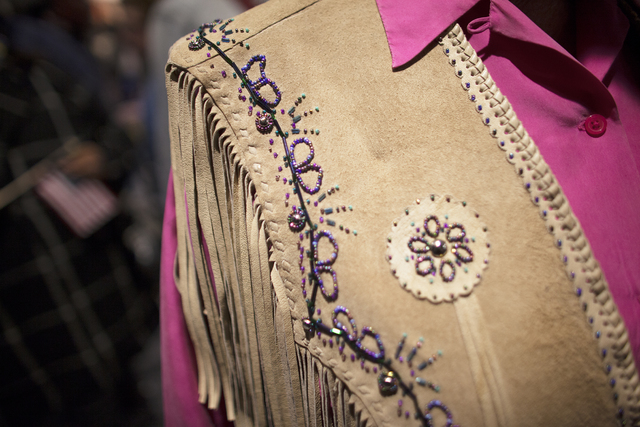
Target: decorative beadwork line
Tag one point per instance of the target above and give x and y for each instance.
(299, 216)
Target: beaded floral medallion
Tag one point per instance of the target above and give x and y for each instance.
(438, 248)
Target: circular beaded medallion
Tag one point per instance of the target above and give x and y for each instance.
(296, 219)
(438, 248)
(264, 122)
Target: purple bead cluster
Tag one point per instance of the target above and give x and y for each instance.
(264, 122)
(460, 237)
(354, 329)
(438, 248)
(296, 219)
(369, 331)
(196, 44)
(305, 166)
(456, 250)
(430, 233)
(418, 250)
(412, 354)
(324, 266)
(452, 273)
(425, 271)
(256, 85)
(439, 405)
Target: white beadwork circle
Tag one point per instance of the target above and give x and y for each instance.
(438, 249)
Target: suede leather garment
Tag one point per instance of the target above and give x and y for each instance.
(527, 336)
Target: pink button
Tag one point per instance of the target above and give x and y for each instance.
(595, 125)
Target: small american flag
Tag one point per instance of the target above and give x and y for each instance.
(85, 205)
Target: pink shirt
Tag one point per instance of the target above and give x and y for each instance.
(553, 94)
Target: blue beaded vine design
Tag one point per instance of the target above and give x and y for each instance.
(388, 381)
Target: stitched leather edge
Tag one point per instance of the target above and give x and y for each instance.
(591, 288)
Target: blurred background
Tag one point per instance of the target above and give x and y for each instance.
(84, 160)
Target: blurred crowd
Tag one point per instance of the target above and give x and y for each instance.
(84, 159)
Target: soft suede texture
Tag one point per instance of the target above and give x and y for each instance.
(518, 351)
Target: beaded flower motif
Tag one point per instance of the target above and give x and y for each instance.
(438, 249)
(433, 256)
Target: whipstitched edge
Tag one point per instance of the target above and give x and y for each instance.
(590, 285)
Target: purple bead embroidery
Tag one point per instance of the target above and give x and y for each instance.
(439, 248)
(427, 271)
(196, 44)
(430, 233)
(296, 219)
(457, 238)
(452, 274)
(324, 266)
(334, 317)
(305, 166)
(379, 356)
(456, 251)
(327, 269)
(418, 250)
(256, 85)
(264, 122)
(438, 404)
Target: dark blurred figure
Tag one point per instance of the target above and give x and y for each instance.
(73, 306)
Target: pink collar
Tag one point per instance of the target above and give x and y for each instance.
(411, 25)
